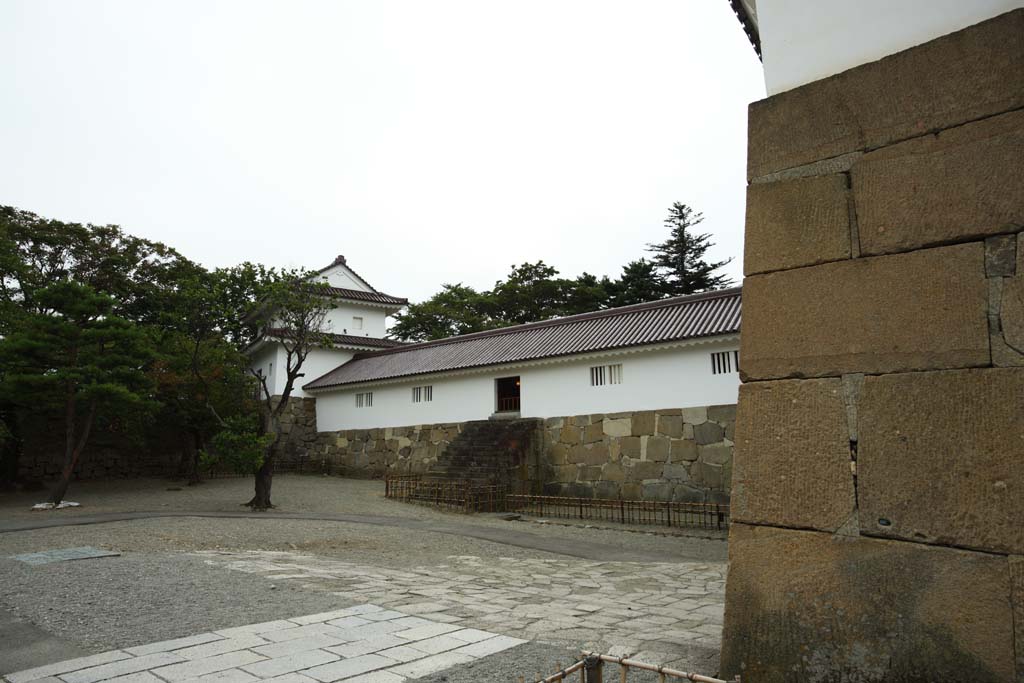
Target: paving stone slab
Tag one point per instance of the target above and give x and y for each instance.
(64, 555)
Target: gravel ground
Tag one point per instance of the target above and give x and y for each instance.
(156, 590)
(308, 493)
(377, 545)
(139, 598)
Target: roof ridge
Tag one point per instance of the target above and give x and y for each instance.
(555, 322)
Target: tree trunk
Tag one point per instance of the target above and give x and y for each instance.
(72, 447)
(264, 481)
(265, 474)
(196, 476)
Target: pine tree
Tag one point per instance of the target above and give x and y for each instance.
(680, 258)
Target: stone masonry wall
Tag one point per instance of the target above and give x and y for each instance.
(672, 454)
(878, 488)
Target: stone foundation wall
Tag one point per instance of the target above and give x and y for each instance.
(878, 490)
(672, 454)
(160, 452)
(372, 453)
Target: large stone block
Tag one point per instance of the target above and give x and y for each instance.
(960, 184)
(792, 455)
(962, 77)
(657, 448)
(918, 311)
(1017, 589)
(941, 458)
(670, 425)
(617, 426)
(643, 423)
(810, 606)
(795, 223)
(1012, 311)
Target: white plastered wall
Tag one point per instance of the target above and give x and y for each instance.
(272, 359)
(339, 321)
(672, 378)
(804, 41)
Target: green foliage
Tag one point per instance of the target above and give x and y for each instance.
(533, 291)
(239, 445)
(100, 327)
(680, 258)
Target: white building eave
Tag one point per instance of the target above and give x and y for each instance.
(487, 369)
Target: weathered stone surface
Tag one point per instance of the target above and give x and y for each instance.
(688, 493)
(613, 472)
(941, 458)
(558, 454)
(676, 473)
(960, 184)
(657, 448)
(809, 606)
(629, 446)
(1017, 596)
(606, 489)
(722, 414)
(593, 433)
(957, 78)
(792, 459)
(709, 474)
(716, 454)
(569, 435)
(670, 425)
(917, 311)
(577, 454)
(643, 423)
(657, 490)
(683, 450)
(1012, 312)
(1001, 256)
(708, 432)
(796, 223)
(643, 469)
(596, 454)
(617, 426)
(631, 490)
(695, 416)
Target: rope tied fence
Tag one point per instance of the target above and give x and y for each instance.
(591, 670)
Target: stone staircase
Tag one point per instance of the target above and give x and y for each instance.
(492, 451)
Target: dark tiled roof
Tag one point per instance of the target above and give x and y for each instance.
(749, 25)
(372, 297)
(688, 317)
(346, 339)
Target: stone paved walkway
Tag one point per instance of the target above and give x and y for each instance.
(660, 613)
(362, 644)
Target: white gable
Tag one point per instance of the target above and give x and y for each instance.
(339, 275)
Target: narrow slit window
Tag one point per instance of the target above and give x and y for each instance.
(722, 362)
(417, 394)
(601, 375)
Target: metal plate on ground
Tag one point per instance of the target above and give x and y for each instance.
(64, 555)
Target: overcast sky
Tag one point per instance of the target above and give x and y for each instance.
(428, 141)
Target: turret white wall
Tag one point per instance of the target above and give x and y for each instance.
(671, 378)
(805, 41)
(339, 320)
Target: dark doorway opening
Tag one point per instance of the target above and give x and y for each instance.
(508, 394)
